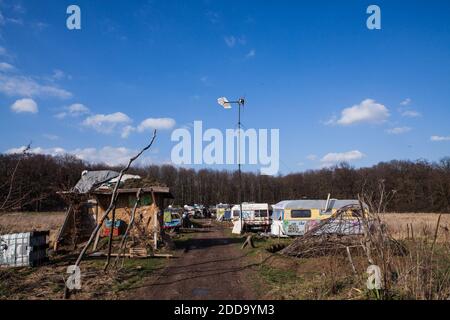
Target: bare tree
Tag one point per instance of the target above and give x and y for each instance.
(5, 206)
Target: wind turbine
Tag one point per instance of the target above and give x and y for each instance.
(226, 104)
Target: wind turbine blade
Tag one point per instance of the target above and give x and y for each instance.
(224, 103)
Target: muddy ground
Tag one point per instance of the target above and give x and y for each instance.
(208, 265)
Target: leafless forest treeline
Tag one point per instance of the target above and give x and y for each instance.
(419, 186)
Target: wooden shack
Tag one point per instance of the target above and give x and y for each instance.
(83, 215)
(152, 202)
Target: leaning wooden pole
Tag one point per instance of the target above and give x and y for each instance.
(110, 240)
(113, 202)
(130, 225)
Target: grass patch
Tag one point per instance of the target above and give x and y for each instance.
(135, 271)
(277, 276)
(181, 240)
(263, 245)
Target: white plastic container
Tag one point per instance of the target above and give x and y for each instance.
(23, 249)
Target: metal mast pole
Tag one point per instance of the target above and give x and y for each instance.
(241, 101)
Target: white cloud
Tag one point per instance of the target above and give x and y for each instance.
(106, 123)
(127, 130)
(230, 41)
(6, 67)
(18, 85)
(18, 8)
(25, 105)
(149, 124)
(411, 114)
(38, 150)
(440, 138)
(59, 74)
(312, 157)
(156, 123)
(406, 102)
(368, 111)
(213, 17)
(61, 115)
(74, 110)
(398, 130)
(334, 158)
(77, 109)
(16, 21)
(251, 54)
(109, 155)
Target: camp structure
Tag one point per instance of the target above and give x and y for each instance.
(255, 216)
(90, 198)
(223, 212)
(149, 220)
(296, 217)
(172, 218)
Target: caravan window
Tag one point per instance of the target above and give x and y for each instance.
(300, 213)
(260, 213)
(277, 215)
(236, 213)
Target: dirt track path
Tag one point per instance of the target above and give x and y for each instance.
(212, 267)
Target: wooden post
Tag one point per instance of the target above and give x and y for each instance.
(96, 210)
(97, 238)
(130, 225)
(349, 256)
(155, 230)
(248, 241)
(110, 241)
(62, 229)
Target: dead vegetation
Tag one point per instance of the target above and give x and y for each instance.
(330, 265)
(413, 225)
(17, 222)
(47, 282)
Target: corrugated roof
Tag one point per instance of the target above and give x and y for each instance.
(160, 190)
(314, 204)
(92, 179)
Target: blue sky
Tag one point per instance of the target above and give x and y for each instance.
(335, 89)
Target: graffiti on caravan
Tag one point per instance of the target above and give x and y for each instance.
(254, 147)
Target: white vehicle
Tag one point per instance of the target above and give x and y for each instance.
(254, 215)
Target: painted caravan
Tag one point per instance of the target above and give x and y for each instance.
(254, 215)
(296, 217)
(223, 212)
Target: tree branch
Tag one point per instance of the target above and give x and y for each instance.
(114, 197)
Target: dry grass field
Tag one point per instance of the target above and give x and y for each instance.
(423, 224)
(31, 221)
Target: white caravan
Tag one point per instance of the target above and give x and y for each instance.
(254, 215)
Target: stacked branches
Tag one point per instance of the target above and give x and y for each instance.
(344, 229)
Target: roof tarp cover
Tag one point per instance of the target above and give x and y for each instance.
(314, 204)
(93, 179)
